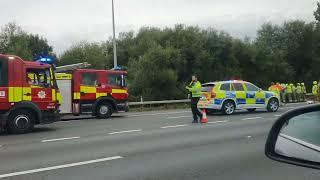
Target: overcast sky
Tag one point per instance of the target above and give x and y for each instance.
(65, 22)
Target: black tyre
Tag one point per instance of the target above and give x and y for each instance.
(273, 105)
(228, 107)
(20, 122)
(104, 110)
(251, 110)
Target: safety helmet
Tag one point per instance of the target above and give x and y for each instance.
(302, 84)
(298, 84)
(291, 84)
(315, 82)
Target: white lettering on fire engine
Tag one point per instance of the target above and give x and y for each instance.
(42, 94)
(2, 93)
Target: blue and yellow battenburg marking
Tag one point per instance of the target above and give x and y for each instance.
(241, 98)
(250, 98)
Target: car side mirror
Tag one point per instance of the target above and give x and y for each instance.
(295, 138)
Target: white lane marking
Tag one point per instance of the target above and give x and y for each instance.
(128, 131)
(175, 126)
(277, 115)
(251, 118)
(215, 122)
(249, 136)
(154, 114)
(178, 117)
(60, 139)
(59, 167)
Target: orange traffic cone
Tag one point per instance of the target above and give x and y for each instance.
(204, 116)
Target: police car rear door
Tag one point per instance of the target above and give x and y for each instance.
(254, 97)
(240, 94)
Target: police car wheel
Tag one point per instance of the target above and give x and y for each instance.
(273, 105)
(228, 107)
(20, 121)
(104, 110)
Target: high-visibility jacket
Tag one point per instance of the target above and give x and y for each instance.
(275, 88)
(299, 90)
(315, 89)
(293, 88)
(195, 89)
(279, 88)
(304, 90)
(288, 89)
(270, 88)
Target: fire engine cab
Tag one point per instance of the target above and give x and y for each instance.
(99, 92)
(28, 94)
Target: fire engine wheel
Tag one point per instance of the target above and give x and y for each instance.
(104, 110)
(20, 121)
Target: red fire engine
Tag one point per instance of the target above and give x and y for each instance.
(99, 92)
(28, 94)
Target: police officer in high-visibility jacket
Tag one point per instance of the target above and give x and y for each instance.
(299, 92)
(304, 91)
(283, 93)
(294, 93)
(288, 93)
(195, 90)
(315, 90)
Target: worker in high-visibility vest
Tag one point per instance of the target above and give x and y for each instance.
(275, 88)
(315, 90)
(279, 89)
(288, 93)
(304, 92)
(283, 92)
(298, 92)
(271, 86)
(294, 93)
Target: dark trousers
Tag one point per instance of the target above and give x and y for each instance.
(194, 108)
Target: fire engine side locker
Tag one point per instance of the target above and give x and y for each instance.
(65, 84)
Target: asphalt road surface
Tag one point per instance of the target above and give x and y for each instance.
(149, 145)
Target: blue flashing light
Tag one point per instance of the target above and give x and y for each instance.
(119, 68)
(47, 59)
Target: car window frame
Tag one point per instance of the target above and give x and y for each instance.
(36, 82)
(234, 89)
(96, 79)
(212, 86)
(225, 84)
(245, 84)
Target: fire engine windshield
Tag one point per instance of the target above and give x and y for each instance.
(117, 80)
(3, 73)
(39, 77)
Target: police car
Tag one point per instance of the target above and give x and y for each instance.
(228, 96)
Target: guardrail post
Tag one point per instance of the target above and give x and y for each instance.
(141, 100)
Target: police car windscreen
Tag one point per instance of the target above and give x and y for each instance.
(207, 87)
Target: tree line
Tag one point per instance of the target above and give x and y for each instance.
(160, 61)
